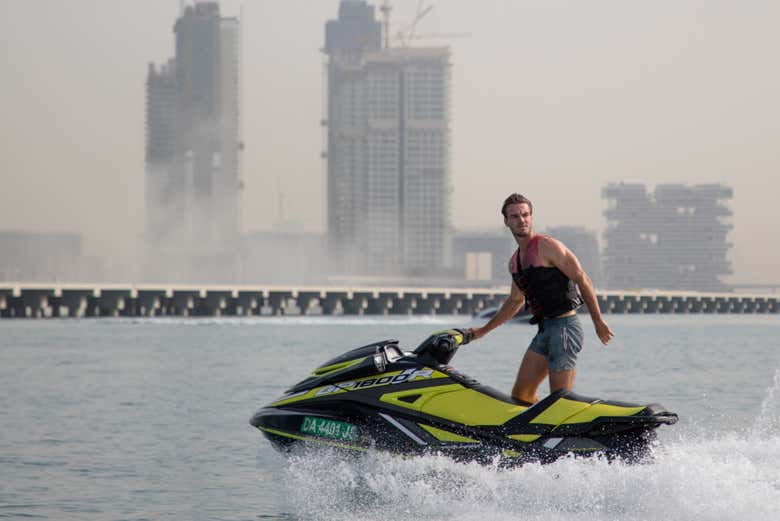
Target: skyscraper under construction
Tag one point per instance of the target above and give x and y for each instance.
(388, 149)
(192, 138)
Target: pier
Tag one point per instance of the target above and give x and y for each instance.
(130, 300)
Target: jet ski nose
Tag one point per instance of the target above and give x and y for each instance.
(659, 413)
(257, 419)
(667, 418)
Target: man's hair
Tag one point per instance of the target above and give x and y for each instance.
(517, 199)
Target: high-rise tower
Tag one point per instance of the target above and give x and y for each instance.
(193, 141)
(346, 39)
(388, 148)
(673, 238)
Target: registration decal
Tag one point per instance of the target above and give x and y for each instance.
(327, 428)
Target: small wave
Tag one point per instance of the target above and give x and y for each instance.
(297, 320)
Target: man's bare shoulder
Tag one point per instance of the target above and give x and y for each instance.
(548, 242)
(551, 248)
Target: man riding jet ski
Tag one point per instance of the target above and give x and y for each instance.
(381, 397)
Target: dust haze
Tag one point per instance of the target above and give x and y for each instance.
(553, 99)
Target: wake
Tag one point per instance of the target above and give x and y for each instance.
(729, 476)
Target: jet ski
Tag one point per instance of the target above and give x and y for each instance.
(380, 397)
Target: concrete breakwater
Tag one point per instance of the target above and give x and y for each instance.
(115, 300)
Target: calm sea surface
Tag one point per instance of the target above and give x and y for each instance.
(148, 419)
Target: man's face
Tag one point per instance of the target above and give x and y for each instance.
(519, 219)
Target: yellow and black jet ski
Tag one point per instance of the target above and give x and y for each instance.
(381, 397)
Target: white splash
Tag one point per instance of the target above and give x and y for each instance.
(732, 478)
(766, 424)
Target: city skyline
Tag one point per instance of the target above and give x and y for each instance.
(552, 99)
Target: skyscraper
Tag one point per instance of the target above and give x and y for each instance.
(388, 148)
(192, 145)
(161, 182)
(673, 238)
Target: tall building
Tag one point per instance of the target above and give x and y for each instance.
(161, 183)
(192, 138)
(674, 238)
(388, 119)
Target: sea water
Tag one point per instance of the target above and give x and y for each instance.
(148, 419)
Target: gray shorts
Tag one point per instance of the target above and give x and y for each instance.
(559, 340)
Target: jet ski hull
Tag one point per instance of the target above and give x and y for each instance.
(358, 428)
(378, 397)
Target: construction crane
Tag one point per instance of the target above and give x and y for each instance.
(426, 36)
(407, 33)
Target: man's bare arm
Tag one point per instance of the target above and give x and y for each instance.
(508, 309)
(562, 258)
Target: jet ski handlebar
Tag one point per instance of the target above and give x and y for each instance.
(442, 345)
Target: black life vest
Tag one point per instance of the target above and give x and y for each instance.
(548, 291)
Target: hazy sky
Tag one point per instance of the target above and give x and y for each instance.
(552, 99)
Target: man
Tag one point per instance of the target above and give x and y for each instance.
(546, 275)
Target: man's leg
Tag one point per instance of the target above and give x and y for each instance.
(532, 371)
(562, 379)
(566, 343)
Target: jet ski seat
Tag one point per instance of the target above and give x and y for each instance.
(473, 383)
